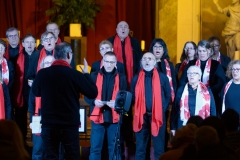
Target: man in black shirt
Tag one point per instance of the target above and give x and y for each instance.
(59, 87)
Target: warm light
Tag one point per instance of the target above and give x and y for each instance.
(75, 30)
(142, 45)
(18, 33)
(236, 55)
(37, 42)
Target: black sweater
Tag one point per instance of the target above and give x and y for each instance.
(59, 88)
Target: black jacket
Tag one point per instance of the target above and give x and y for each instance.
(107, 90)
(165, 90)
(225, 60)
(7, 102)
(59, 88)
(137, 53)
(175, 121)
(163, 69)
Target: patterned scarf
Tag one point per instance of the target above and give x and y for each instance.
(2, 103)
(225, 92)
(97, 113)
(5, 71)
(206, 72)
(202, 107)
(140, 103)
(169, 75)
(128, 54)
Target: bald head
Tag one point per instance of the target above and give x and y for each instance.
(122, 30)
(47, 61)
(148, 61)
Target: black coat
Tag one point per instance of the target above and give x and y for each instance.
(107, 85)
(163, 69)
(165, 90)
(59, 88)
(225, 60)
(175, 121)
(8, 107)
(137, 53)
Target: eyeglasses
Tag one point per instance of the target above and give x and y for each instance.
(110, 62)
(188, 49)
(48, 39)
(13, 36)
(147, 59)
(157, 47)
(29, 42)
(192, 73)
(215, 45)
(235, 70)
(106, 48)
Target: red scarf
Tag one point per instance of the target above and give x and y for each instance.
(2, 104)
(181, 68)
(140, 104)
(18, 78)
(202, 107)
(58, 40)
(206, 72)
(61, 63)
(7, 56)
(117, 46)
(97, 113)
(169, 75)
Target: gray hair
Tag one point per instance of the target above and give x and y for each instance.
(197, 68)
(44, 35)
(42, 63)
(61, 50)
(10, 30)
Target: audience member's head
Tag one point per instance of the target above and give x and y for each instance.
(206, 136)
(230, 119)
(217, 124)
(184, 135)
(11, 141)
(197, 120)
(63, 51)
